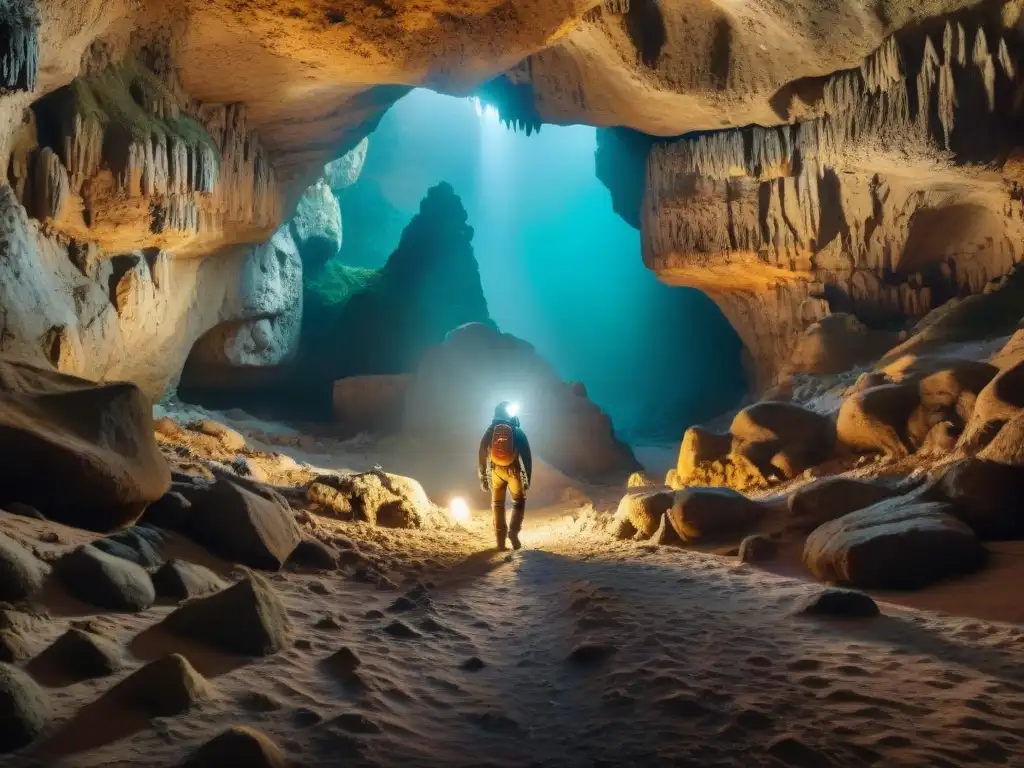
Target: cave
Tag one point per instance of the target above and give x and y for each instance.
(511, 382)
(551, 263)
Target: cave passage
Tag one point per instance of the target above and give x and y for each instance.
(559, 268)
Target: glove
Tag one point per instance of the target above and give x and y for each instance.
(484, 485)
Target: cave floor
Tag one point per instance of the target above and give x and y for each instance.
(577, 651)
(593, 653)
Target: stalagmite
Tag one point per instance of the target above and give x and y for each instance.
(49, 185)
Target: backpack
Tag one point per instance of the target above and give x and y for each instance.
(503, 445)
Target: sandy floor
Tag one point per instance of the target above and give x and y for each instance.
(594, 653)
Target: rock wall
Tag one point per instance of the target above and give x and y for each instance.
(884, 207)
(152, 150)
(873, 187)
(132, 316)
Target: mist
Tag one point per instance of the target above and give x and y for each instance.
(558, 267)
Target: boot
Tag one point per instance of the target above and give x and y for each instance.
(516, 524)
(500, 530)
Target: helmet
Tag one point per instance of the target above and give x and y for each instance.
(508, 412)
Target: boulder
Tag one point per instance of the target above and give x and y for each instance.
(344, 661)
(1011, 353)
(666, 535)
(316, 226)
(15, 646)
(996, 404)
(137, 545)
(24, 709)
(163, 688)
(238, 747)
(80, 655)
(328, 500)
(102, 580)
(313, 555)
(875, 420)
(894, 544)
(178, 580)
(171, 510)
(758, 549)
(913, 367)
(239, 523)
(838, 603)
(712, 515)
(947, 395)
(640, 512)
(832, 497)
(458, 383)
(1007, 447)
(639, 480)
(940, 440)
(700, 447)
(81, 453)
(246, 619)
(782, 439)
(380, 498)
(987, 497)
(20, 573)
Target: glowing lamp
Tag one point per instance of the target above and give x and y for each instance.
(459, 511)
(513, 409)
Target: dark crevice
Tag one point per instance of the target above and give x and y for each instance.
(119, 266)
(645, 25)
(721, 53)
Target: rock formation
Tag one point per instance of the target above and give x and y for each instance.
(359, 322)
(856, 207)
(158, 148)
(345, 171)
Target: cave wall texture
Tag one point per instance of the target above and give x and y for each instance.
(805, 159)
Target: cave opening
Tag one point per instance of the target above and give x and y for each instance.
(558, 268)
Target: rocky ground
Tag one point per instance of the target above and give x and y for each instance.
(390, 646)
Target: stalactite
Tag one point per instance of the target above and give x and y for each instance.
(198, 174)
(49, 185)
(1005, 61)
(720, 206)
(511, 94)
(983, 61)
(245, 190)
(19, 46)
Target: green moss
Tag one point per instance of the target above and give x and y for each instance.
(336, 283)
(122, 97)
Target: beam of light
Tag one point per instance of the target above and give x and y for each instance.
(513, 409)
(485, 112)
(458, 509)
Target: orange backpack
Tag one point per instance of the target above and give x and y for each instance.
(503, 445)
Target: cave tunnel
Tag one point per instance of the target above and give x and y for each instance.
(558, 267)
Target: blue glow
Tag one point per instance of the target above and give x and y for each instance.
(559, 268)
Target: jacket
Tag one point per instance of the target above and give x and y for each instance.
(522, 446)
